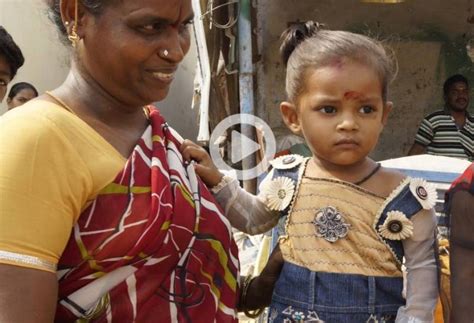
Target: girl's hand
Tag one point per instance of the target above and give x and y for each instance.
(204, 166)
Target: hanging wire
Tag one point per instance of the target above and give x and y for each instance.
(211, 8)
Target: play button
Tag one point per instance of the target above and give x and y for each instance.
(242, 147)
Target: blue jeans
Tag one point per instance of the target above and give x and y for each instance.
(301, 295)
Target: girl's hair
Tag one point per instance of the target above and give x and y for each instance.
(16, 88)
(307, 45)
(93, 6)
(10, 51)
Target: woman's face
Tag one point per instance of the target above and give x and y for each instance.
(133, 48)
(21, 98)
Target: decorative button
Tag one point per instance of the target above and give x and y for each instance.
(421, 192)
(395, 226)
(289, 159)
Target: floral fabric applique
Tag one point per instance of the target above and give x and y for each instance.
(279, 193)
(287, 161)
(396, 226)
(330, 224)
(424, 192)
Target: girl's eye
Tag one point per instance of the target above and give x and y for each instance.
(327, 109)
(366, 109)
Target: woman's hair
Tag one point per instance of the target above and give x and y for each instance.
(93, 6)
(10, 51)
(16, 88)
(307, 46)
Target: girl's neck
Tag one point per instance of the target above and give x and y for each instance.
(352, 173)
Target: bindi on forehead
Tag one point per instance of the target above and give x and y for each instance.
(353, 95)
(337, 63)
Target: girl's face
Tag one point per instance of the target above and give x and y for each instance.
(21, 98)
(340, 112)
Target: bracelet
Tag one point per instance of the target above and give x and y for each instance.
(223, 183)
(243, 297)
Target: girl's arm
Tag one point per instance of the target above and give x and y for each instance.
(246, 212)
(422, 272)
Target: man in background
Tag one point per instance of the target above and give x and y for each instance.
(450, 131)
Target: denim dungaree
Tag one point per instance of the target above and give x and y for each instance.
(303, 295)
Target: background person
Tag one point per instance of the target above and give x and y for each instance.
(11, 59)
(450, 131)
(20, 93)
(101, 220)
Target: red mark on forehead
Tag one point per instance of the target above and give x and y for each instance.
(353, 95)
(337, 63)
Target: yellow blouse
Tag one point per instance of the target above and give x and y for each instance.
(52, 164)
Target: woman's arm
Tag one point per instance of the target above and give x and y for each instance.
(422, 272)
(27, 295)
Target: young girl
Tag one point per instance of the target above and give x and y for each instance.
(347, 222)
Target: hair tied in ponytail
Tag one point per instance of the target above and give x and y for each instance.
(295, 35)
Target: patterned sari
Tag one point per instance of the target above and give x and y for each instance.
(152, 247)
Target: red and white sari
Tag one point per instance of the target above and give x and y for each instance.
(153, 247)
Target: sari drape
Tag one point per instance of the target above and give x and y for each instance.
(153, 246)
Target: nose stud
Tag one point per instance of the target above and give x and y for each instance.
(165, 53)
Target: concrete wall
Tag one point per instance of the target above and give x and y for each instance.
(428, 38)
(46, 62)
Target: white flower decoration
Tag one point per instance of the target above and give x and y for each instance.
(424, 192)
(279, 193)
(287, 161)
(396, 226)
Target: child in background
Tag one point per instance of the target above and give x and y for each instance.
(20, 93)
(348, 223)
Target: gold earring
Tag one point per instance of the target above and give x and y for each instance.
(73, 36)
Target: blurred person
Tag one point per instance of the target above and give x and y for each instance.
(11, 59)
(20, 93)
(449, 131)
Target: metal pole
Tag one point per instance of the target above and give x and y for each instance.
(246, 83)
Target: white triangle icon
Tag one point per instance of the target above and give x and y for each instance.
(242, 146)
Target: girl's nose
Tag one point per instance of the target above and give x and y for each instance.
(348, 123)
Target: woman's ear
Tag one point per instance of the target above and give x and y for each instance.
(386, 112)
(68, 15)
(290, 117)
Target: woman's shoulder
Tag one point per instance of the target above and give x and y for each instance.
(38, 116)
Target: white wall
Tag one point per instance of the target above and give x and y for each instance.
(46, 62)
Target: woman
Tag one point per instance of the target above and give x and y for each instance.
(100, 218)
(20, 93)
(459, 205)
